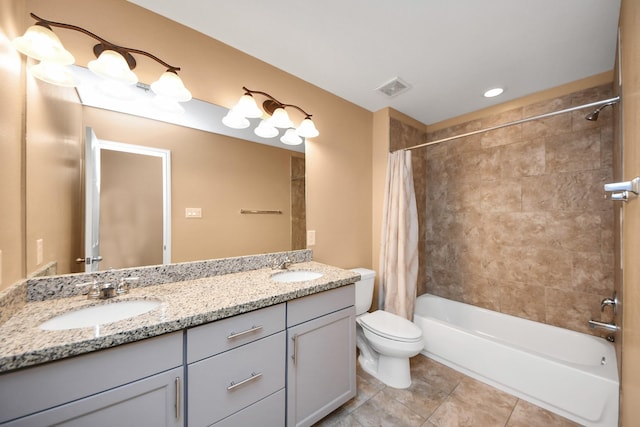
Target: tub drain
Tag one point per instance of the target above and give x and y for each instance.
(603, 361)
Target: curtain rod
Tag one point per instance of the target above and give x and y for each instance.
(613, 100)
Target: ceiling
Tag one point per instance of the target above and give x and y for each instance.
(449, 52)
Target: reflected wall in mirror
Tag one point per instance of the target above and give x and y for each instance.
(219, 175)
(42, 138)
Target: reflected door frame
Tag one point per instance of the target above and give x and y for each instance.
(93, 146)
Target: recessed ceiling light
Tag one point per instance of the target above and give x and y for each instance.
(493, 92)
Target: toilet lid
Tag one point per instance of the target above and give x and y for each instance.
(391, 326)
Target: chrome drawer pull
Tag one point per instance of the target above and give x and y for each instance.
(253, 377)
(295, 348)
(233, 335)
(177, 403)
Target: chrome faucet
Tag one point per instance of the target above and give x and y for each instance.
(285, 264)
(107, 290)
(612, 327)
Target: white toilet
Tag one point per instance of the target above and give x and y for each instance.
(386, 341)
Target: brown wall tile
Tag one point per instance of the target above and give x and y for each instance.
(522, 300)
(516, 219)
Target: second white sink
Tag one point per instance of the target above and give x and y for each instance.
(295, 276)
(99, 314)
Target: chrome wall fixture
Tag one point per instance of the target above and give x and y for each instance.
(114, 63)
(273, 116)
(625, 190)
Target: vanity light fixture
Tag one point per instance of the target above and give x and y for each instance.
(274, 117)
(114, 63)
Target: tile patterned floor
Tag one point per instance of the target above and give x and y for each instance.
(438, 397)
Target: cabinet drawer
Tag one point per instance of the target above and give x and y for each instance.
(226, 334)
(224, 384)
(269, 412)
(316, 305)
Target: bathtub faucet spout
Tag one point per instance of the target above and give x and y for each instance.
(602, 325)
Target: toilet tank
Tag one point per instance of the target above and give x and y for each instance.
(364, 289)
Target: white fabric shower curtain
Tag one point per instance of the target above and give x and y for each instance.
(399, 243)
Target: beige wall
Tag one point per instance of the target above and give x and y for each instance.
(630, 58)
(338, 161)
(11, 146)
(339, 165)
(39, 127)
(218, 174)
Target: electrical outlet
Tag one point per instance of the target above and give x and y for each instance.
(311, 237)
(193, 212)
(39, 251)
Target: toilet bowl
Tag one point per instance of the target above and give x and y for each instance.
(385, 341)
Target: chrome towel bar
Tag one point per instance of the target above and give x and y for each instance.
(259, 211)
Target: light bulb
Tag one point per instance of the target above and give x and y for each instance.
(170, 85)
(59, 75)
(266, 130)
(280, 119)
(307, 129)
(247, 107)
(112, 65)
(235, 121)
(290, 137)
(40, 43)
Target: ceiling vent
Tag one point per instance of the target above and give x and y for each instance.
(394, 87)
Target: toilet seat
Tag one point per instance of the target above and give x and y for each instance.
(390, 326)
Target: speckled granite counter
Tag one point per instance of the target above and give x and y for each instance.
(183, 304)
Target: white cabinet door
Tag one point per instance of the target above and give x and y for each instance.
(39, 388)
(156, 401)
(320, 366)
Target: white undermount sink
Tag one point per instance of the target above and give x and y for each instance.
(295, 276)
(99, 314)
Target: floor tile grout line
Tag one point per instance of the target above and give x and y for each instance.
(511, 414)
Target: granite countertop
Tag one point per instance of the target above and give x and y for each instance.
(183, 304)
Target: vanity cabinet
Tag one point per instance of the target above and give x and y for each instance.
(236, 370)
(138, 384)
(287, 364)
(321, 369)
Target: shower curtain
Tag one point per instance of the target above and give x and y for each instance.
(399, 245)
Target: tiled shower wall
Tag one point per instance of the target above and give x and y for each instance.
(298, 208)
(515, 219)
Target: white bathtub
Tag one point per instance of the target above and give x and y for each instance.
(572, 374)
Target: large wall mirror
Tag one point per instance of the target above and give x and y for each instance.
(231, 192)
